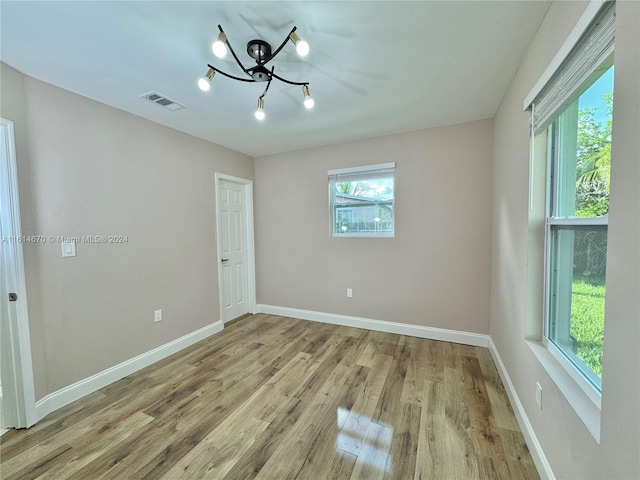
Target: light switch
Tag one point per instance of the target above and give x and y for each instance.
(539, 395)
(68, 249)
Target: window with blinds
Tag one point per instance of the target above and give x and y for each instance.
(574, 110)
(361, 201)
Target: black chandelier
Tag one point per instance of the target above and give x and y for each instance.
(262, 53)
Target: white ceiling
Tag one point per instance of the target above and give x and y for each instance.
(375, 68)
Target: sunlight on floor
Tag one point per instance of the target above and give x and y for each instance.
(367, 440)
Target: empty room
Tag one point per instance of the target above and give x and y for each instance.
(320, 240)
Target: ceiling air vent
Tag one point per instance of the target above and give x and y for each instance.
(163, 101)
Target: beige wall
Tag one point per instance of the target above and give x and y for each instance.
(435, 272)
(568, 445)
(89, 169)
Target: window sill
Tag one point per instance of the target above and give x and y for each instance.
(362, 235)
(581, 403)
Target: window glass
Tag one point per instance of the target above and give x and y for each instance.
(576, 323)
(581, 161)
(362, 202)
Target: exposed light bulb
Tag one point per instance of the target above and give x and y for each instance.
(219, 47)
(204, 83)
(260, 111)
(302, 47)
(309, 102)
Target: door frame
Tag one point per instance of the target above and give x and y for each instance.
(18, 385)
(250, 247)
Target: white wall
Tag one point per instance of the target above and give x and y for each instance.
(571, 450)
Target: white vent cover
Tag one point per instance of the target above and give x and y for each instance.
(163, 101)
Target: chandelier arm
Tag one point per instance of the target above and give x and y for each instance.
(289, 81)
(233, 53)
(277, 51)
(237, 59)
(268, 84)
(217, 70)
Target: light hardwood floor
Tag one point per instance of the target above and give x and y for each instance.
(278, 398)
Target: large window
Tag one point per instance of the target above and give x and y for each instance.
(580, 146)
(574, 110)
(362, 201)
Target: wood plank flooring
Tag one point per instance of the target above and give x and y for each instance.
(278, 398)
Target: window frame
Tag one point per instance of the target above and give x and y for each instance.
(576, 374)
(589, 383)
(597, 18)
(382, 170)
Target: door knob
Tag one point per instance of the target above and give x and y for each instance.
(224, 259)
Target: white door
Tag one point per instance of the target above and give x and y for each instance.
(234, 246)
(18, 394)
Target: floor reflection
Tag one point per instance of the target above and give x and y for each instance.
(367, 440)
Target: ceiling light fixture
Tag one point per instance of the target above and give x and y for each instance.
(309, 102)
(219, 47)
(302, 47)
(261, 52)
(260, 111)
(205, 82)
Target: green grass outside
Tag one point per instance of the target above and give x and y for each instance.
(587, 322)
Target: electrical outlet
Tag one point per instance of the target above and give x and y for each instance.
(539, 395)
(157, 316)
(349, 293)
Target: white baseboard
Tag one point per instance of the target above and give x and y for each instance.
(455, 336)
(539, 458)
(73, 392)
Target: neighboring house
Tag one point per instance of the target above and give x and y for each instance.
(363, 214)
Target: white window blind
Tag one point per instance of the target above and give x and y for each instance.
(362, 173)
(585, 62)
